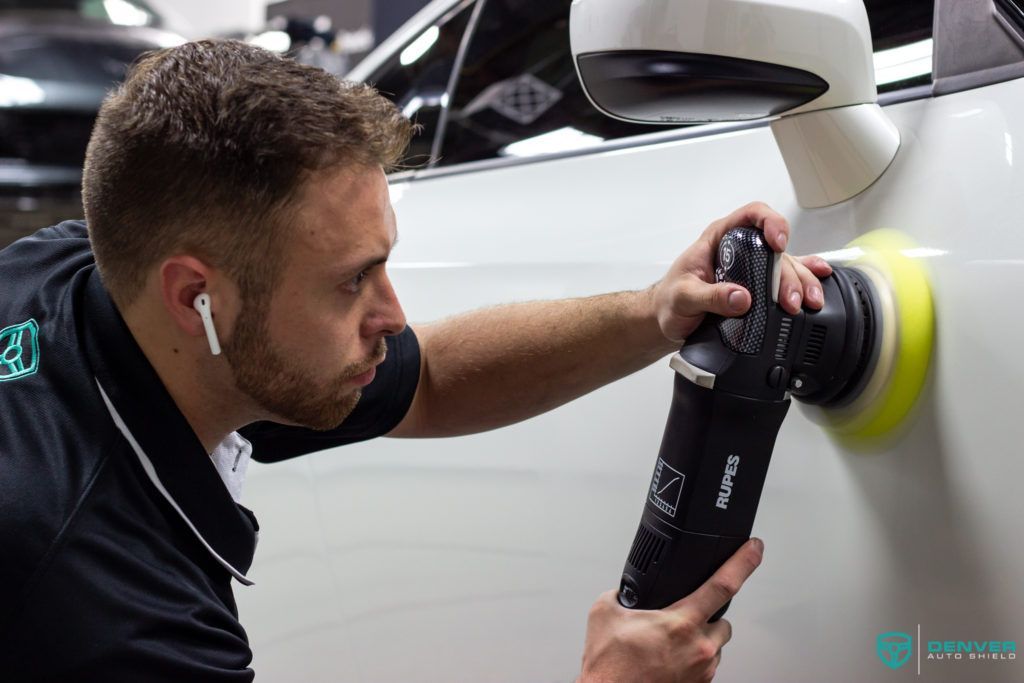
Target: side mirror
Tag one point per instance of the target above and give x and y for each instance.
(807, 62)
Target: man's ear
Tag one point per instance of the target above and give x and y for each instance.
(182, 279)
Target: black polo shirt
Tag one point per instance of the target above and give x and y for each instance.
(118, 538)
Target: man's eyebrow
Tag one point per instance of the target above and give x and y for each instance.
(369, 263)
(366, 265)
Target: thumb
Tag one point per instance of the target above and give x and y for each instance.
(723, 298)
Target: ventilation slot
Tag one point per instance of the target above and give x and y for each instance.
(815, 345)
(782, 345)
(869, 331)
(647, 547)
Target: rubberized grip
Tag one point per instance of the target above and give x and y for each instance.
(703, 495)
(745, 259)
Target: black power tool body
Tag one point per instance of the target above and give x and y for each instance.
(734, 378)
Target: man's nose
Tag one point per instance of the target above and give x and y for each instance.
(386, 317)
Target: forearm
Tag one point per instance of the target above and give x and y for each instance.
(500, 365)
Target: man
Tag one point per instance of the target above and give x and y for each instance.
(224, 180)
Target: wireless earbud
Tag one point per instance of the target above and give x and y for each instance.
(202, 305)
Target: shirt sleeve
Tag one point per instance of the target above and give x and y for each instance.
(383, 404)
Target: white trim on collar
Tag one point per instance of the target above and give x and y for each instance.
(231, 459)
(147, 465)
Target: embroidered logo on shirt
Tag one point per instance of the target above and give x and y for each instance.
(19, 350)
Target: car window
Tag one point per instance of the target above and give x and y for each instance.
(518, 95)
(901, 36)
(517, 91)
(416, 77)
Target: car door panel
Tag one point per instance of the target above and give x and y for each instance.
(477, 558)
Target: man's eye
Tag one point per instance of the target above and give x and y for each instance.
(354, 284)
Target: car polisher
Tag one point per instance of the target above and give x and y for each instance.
(860, 362)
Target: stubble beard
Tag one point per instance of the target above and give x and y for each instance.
(280, 388)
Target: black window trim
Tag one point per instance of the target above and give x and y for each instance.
(1014, 11)
(956, 74)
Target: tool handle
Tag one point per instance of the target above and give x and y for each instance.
(703, 497)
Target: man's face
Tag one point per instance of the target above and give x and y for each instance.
(304, 354)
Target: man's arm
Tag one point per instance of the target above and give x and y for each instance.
(497, 366)
(500, 365)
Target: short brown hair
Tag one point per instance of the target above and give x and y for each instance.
(204, 148)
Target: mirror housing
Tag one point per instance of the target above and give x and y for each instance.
(809, 62)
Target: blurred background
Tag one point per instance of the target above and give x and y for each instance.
(59, 58)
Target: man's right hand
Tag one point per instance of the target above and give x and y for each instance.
(675, 644)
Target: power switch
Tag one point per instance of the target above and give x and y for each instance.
(628, 597)
(777, 377)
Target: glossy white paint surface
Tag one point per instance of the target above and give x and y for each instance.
(476, 559)
(835, 154)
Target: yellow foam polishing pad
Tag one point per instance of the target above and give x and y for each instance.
(892, 262)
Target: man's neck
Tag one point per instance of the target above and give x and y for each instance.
(201, 387)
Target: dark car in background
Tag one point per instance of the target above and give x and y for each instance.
(58, 59)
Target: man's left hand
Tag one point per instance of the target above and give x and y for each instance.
(688, 290)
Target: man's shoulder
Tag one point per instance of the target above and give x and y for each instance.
(40, 275)
(43, 256)
(71, 229)
(51, 236)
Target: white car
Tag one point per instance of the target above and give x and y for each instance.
(477, 558)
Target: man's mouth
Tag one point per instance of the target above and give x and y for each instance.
(365, 378)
